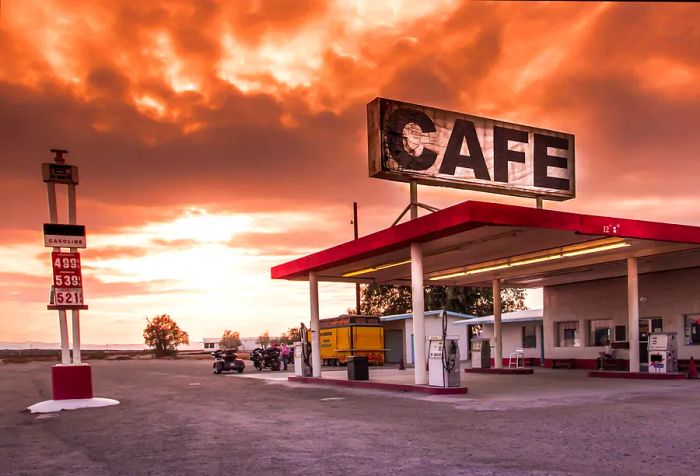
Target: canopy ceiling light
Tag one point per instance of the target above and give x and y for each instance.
(374, 268)
(595, 246)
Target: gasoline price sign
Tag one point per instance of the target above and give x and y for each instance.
(67, 279)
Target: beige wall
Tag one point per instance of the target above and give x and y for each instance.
(669, 295)
(512, 335)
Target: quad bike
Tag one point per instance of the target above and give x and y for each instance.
(226, 360)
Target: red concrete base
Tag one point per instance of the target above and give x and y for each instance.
(397, 387)
(512, 371)
(635, 375)
(71, 381)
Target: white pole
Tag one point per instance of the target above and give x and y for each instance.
(633, 312)
(497, 334)
(63, 327)
(414, 200)
(75, 313)
(75, 324)
(315, 337)
(62, 320)
(421, 376)
(53, 213)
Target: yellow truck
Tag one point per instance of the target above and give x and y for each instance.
(345, 336)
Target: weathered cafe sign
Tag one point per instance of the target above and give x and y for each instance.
(408, 142)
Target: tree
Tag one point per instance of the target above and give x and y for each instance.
(164, 335)
(230, 340)
(382, 300)
(293, 335)
(264, 339)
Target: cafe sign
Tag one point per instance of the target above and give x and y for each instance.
(409, 142)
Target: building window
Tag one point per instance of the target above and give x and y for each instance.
(692, 329)
(209, 345)
(529, 336)
(620, 333)
(599, 331)
(568, 334)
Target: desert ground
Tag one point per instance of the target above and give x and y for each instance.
(176, 417)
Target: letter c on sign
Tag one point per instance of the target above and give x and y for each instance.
(395, 124)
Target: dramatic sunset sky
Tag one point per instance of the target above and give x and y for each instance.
(217, 139)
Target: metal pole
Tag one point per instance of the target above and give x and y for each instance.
(633, 312)
(414, 199)
(62, 320)
(75, 313)
(315, 325)
(497, 334)
(539, 202)
(53, 213)
(420, 376)
(63, 327)
(356, 232)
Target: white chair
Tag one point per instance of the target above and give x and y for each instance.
(517, 358)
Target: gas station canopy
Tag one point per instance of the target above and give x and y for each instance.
(473, 243)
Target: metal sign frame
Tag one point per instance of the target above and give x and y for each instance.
(430, 146)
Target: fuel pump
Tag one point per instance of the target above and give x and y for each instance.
(663, 352)
(302, 354)
(443, 358)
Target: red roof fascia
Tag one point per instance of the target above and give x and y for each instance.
(471, 214)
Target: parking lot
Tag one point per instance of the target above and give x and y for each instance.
(175, 417)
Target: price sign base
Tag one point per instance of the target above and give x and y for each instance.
(79, 307)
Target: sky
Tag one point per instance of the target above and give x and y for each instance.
(218, 139)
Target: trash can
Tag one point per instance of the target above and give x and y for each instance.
(358, 368)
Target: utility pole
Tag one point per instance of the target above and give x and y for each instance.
(357, 285)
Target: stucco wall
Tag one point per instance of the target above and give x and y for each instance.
(512, 335)
(668, 295)
(433, 327)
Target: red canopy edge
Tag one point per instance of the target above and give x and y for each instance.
(473, 214)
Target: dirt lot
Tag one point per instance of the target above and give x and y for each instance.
(176, 417)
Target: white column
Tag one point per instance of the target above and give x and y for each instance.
(315, 337)
(63, 327)
(633, 313)
(62, 320)
(75, 324)
(497, 334)
(421, 375)
(75, 314)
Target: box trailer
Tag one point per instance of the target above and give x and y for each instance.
(351, 336)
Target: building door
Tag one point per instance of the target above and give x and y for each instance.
(393, 342)
(647, 325)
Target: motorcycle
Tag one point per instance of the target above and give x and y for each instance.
(227, 360)
(266, 358)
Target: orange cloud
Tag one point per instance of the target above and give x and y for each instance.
(258, 109)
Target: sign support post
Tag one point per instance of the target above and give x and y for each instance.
(71, 382)
(75, 313)
(62, 320)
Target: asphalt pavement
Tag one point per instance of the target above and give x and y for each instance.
(176, 417)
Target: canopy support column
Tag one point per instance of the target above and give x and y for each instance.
(497, 334)
(421, 375)
(633, 312)
(315, 336)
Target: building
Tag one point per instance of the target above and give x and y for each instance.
(399, 338)
(520, 330)
(212, 343)
(602, 276)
